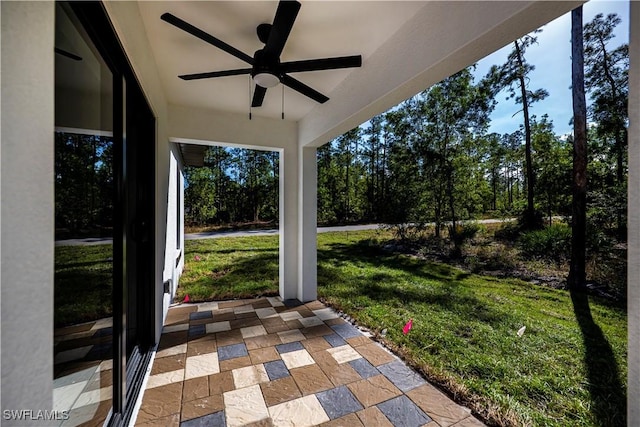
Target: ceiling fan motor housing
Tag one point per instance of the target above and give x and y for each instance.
(265, 70)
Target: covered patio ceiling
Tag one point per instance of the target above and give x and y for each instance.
(405, 46)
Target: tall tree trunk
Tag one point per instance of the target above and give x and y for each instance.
(527, 139)
(510, 187)
(494, 184)
(577, 274)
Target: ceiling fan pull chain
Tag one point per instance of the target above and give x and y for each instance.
(249, 80)
(282, 102)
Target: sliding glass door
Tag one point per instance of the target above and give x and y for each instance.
(104, 189)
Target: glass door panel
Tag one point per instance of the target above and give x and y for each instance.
(84, 219)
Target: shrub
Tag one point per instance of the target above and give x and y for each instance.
(553, 242)
(408, 233)
(508, 232)
(464, 231)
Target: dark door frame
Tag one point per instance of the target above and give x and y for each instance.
(134, 216)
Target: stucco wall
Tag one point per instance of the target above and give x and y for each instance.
(27, 206)
(174, 246)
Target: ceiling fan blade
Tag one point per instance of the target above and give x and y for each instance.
(322, 64)
(67, 54)
(185, 26)
(303, 89)
(258, 96)
(281, 27)
(211, 74)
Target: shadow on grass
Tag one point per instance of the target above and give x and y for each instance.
(608, 396)
(441, 287)
(245, 277)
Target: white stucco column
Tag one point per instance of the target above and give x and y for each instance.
(288, 206)
(633, 280)
(298, 225)
(307, 238)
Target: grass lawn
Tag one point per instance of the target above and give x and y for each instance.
(227, 268)
(567, 369)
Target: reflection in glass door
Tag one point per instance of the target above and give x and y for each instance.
(105, 216)
(84, 219)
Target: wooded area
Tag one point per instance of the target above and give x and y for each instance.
(431, 158)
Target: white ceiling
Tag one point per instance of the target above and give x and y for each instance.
(406, 47)
(322, 29)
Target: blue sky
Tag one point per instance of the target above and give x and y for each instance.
(552, 59)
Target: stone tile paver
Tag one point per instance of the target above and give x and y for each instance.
(280, 390)
(311, 379)
(217, 327)
(264, 362)
(438, 406)
(232, 351)
(201, 407)
(402, 412)
(350, 420)
(276, 370)
(216, 419)
(165, 378)
(297, 359)
(374, 390)
(160, 402)
(401, 375)
(244, 406)
(250, 375)
(199, 315)
(347, 331)
(338, 402)
(289, 347)
(235, 363)
(335, 340)
(301, 412)
(364, 368)
(291, 336)
(375, 354)
(373, 416)
(262, 355)
(195, 388)
(204, 364)
(344, 353)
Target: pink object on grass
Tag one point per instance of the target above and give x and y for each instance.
(186, 298)
(407, 327)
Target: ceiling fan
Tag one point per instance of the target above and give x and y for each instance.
(266, 69)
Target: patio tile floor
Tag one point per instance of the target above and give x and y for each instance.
(268, 362)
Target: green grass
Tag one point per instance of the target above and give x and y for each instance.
(233, 267)
(567, 369)
(83, 283)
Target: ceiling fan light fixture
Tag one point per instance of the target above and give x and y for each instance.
(266, 80)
